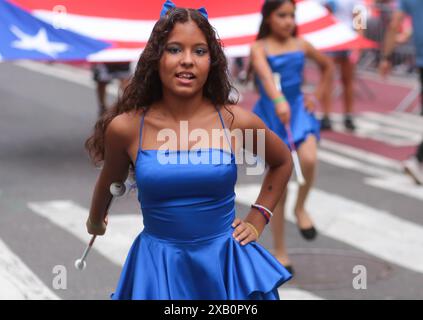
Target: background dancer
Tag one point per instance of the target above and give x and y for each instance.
(103, 74)
(278, 50)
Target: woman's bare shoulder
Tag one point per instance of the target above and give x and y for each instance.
(124, 125)
(257, 44)
(243, 118)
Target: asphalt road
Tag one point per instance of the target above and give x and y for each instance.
(368, 213)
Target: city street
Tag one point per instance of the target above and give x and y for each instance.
(368, 212)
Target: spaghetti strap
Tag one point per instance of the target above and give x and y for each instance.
(265, 47)
(141, 126)
(300, 46)
(224, 130)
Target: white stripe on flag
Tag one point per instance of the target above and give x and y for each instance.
(111, 55)
(139, 31)
(309, 11)
(331, 36)
(102, 28)
(17, 281)
(376, 232)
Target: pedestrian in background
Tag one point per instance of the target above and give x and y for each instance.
(103, 74)
(414, 9)
(345, 60)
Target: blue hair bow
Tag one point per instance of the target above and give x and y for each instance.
(170, 5)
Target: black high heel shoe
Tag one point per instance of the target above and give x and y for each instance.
(308, 234)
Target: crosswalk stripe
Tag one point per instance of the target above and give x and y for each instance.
(362, 155)
(296, 294)
(66, 73)
(369, 129)
(17, 281)
(409, 118)
(376, 232)
(398, 184)
(378, 177)
(351, 164)
(121, 232)
(391, 119)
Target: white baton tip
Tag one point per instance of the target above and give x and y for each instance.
(117, 189)
(80, 264)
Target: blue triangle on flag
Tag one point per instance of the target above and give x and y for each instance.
(24, 36)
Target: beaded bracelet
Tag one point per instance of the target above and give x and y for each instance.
(266, 213)
(279, 99)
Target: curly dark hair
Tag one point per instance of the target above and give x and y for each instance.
(145, 86)
(264, 31)
(267, 9)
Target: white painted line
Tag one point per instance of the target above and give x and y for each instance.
(369, 129)
(394, 181)
(296, 294)
(409, 82)
(410, 117)
(352, 164)
(17, 281)
(376, 232)
(67, 73)
(390, 136)
(400, 184)
(391, 119)
(405, 136)
(114, 245)
(360, 154)
(120, 234)
(408, 100)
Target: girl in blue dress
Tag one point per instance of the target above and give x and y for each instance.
(192, 246)
(278, 50)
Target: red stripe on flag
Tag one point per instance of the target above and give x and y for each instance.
(359, 43)
(141, 9)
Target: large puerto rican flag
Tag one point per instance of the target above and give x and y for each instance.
(126, 24)
(22, 36)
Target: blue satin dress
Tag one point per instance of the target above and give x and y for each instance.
(290, 66)
(186, 250)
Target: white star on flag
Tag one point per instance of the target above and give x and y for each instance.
(39, 42)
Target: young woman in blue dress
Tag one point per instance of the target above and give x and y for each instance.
(192, 246)
(277, 50)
